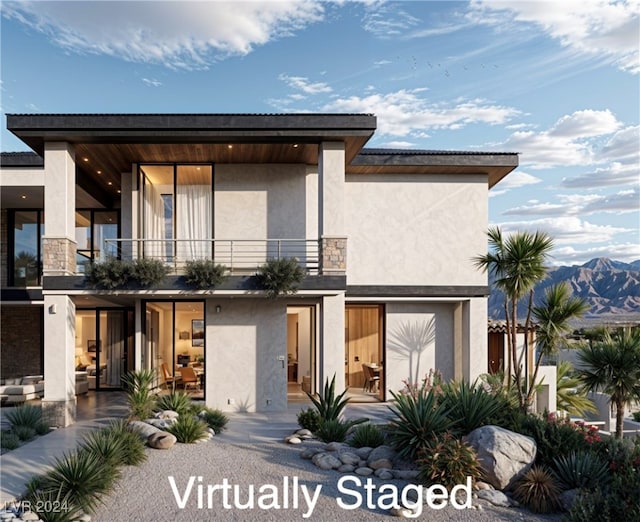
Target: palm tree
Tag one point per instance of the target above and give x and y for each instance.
(557, 308)
(517, 263)
(570, 397)
(613, 367)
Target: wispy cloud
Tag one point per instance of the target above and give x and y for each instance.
(403, 112)
(179, 35)
(514, 180)
(388, 20)
(568, 255)
(152, 82)
(303, 84)
(607, 28)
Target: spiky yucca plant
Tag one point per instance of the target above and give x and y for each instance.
(469, 406)
(214, 418)
(539, 490)
(139, 395)
(188, 429)
(329, 405)
(180, 402)
(580, 470)
(367, 435)
(25, 415)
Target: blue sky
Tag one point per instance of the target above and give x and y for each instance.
(557, 82)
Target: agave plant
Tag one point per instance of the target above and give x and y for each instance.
(188, 429)
(418, 419)
(367, 435)
(25, 415)
(469, 406)
(214, 418)
(329, 405)
(580, 470)
(133, 447)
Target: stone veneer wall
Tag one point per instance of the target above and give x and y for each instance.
(21, 350)
(58, 256)
(4, 248)
(334, 255)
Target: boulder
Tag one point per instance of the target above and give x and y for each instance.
(504, 455)
(349, 458)
(380, 464)
(161, 440)
(143, 429)
(380, 453)
(497, 498)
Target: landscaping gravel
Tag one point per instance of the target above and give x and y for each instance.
(144, 493)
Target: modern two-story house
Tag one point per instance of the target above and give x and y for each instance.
(386, 238)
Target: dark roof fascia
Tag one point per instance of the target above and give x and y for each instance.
(21, 159)
(411, 158)
(34, 129)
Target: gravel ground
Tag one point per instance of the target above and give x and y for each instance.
(144, 493)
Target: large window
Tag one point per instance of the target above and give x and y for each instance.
(26, 247)
(178, 211)
(93, 228)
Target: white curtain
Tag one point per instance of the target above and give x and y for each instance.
(115, 348)
(154, 222)
(193, 206)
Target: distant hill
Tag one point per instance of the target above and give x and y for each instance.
(612, 289)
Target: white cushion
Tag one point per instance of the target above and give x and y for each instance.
(32, 379)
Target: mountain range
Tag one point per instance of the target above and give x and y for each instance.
(611, 288)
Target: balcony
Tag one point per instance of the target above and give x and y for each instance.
(240, 256)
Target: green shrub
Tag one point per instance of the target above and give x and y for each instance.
(447, 461)
(468, 406)
(204, 273)
(580, 470)
(367, 435)
(539, 491)
(180, 402)
(108, 275)
(328, 404)
(140, 398)
(281, 276)
(42, 428)
(25, 415)
(133, 447)
(188, 429)
(333, 430)
(9, 440)
(554, 437)
(636, 416)
(24, 433)
(108, 445)
(82, 477)
(148, 272)
(418, 419)
(214, 418)
(309, 419)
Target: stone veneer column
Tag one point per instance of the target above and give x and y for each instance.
(331, 181)
(58, 240)
(59, 259)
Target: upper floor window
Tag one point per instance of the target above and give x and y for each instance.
(25, 247)
(178, 211)
(93, 228)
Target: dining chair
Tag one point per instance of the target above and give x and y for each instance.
(169, 379)
(189, 377)
(370, 380)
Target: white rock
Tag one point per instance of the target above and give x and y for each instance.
(304, 432)
(497, 498)
(294, 440)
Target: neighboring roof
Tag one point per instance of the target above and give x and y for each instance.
(20, 159)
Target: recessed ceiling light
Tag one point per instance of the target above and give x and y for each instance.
(295, 145)
(85, 159)
(23, 196)
(229, 146)
(198, 168)
(109, 183)
(119, 191)
(99, 172)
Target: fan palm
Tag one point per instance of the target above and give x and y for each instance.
(517, 263)
(613, 367)
(558, 307)
(570, 397)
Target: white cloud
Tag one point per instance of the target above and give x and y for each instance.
(567, 229)
(303, 84)
(622, 202)
(573, 140)
(186, 35)
(568, 255)
(386, 21)
(517, 179)
(403, 112)
(152, 82)
(398, 144)
(606, 28)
